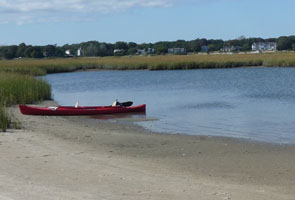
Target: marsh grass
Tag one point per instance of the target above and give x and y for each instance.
(164, 62)
(4, 119)
(19, 89)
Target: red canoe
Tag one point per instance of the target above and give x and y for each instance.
(86, 110)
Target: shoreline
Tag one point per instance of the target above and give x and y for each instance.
(74, 158)
(98, 69)
(145, 130)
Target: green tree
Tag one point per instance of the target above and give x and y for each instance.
(203, 42)
(195, 46)
(284, 43)
(161, 47)
(50, 50)
(211, 47)
(132, 45)
(246, 47)
(132, 51)
(91, 50)
(121, 45)
(28, 51)
(9, 52)
(36, 52)
(102, 49)
(59, 52)
(21, 50)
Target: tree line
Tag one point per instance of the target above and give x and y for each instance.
(95, 48)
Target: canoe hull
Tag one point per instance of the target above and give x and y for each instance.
(70, 110)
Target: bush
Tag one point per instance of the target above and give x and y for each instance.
(20, 89)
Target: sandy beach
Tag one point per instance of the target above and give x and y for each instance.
(82, 158)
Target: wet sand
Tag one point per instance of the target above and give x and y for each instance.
(82, 158)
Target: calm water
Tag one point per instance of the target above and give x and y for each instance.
(251, 103)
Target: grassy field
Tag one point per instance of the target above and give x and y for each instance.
(17, 84)
(165, 62)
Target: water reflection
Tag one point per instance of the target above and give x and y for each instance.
(209, 105)
(127, 116)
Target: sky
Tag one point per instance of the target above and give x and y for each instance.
(42, 22)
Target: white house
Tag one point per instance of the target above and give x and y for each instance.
(177, 50)
(140, 51)
(146, 51)
(45, 53)
(264, 46)
(68, 53)
(79, 52)
(118, 51)
(150, 51)
(230, 48)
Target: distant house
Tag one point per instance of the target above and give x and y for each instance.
(146, 51)
(264, 46)
(140, 51)
(177, 50)
(68, 53)
(79, 52)
(150, 51)
(204, 48)
(117, 51)
(45, 53)
(231, 48)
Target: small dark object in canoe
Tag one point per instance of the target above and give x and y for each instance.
(124, 104)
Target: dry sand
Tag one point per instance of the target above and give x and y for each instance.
(78, 158)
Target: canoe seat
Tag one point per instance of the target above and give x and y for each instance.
(77, 104)
(115, 103)
(53, 108)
